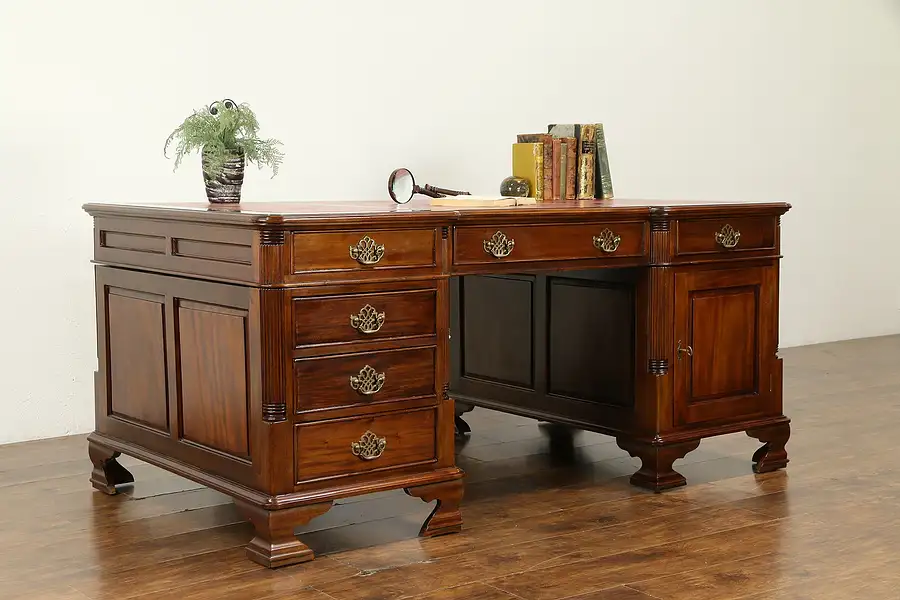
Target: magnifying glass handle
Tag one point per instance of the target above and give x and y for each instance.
(431, 188)
(428, 191)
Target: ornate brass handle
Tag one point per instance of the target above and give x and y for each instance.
(687, 350)
(369, 446)
(499, 245)
(368, 320)
(366, 251)
(367, 382)
(728, 236)
(607, 241)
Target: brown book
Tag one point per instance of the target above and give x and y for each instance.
(571, 166)
(586, 167)
(557, 164)
(547, 140)
(570, 134)
(563, 167)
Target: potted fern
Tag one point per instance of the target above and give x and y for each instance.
(225, 133)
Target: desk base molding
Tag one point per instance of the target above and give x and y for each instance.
(102, 444)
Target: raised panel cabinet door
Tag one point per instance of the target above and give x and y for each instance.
(726, 344)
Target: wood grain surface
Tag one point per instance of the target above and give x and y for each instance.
(538, 524)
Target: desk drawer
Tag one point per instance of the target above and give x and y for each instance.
(364, 378)
(350, 446)
(520, 243)
(362, 317)
(362, 250)
(722, 236)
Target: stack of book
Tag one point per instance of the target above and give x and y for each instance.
(569, 162)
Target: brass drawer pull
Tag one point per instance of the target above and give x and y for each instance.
(607, 241)
(687, 350)
(499, 245)
(368, 381)
(369, 446)
(728, 236)
(366, 251)
(368, 320)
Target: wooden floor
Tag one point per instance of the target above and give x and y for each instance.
(537, 525)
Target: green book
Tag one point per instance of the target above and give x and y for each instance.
(603, 178)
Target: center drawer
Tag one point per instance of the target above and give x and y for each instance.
(350, 446)
(520, 243)
(364, 378)
(360, 317)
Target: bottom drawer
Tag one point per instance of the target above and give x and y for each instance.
(349, 446)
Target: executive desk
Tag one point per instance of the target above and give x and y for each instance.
(292, 354)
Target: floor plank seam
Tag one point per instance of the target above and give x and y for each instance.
(514, 595)
(323, 592)
(466, 550)
(245, 567)
(686, 509)
(640, 548)
(749, 556)
(628, 587)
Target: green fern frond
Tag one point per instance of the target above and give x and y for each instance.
(231, 131)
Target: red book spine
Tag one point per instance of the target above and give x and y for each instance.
(557, 149)
(571, 167)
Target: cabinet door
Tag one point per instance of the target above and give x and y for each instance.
(726, 332)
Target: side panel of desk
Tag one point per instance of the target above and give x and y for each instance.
(177, 373)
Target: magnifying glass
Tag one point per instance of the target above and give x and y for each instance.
(402, 187)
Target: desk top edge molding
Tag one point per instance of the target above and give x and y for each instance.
(301, 214)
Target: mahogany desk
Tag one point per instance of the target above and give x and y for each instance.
(292, 354)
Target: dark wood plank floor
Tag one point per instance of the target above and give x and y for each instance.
(538, 524)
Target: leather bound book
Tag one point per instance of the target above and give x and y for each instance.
(570, 133)
(557, 165)
(571, 166)
(563, 167)
(566, 130)
(528, 163)
(547, 140)
(586, 162)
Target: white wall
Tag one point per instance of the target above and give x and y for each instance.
(784, 100)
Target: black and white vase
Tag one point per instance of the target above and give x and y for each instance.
(224, 187)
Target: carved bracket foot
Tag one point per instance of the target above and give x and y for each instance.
(656, 472)
(561, 438)
(461, 427)
(107, 473)
(771, 456)
(445, 518)
(275, 544)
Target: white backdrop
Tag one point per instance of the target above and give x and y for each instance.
(784, 100)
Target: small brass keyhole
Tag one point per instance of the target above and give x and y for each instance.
(687, 350)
